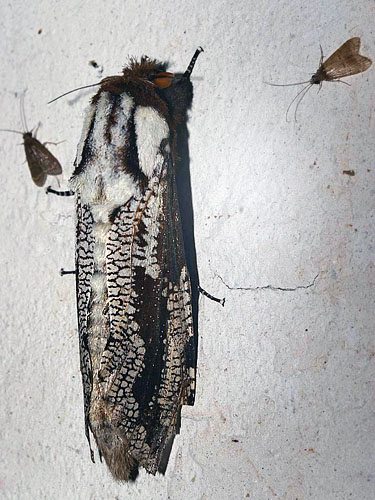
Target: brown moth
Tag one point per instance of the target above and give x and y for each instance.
(345, 61)
(41, 162)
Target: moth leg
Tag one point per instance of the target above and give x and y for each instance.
(59, 193)
(63, 272)
(54, 143)
(215, 299)
(342, 81)
(36, 129)
(321, 55)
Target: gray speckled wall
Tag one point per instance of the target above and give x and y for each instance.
(285, 394)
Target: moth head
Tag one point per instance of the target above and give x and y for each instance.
(178, 93)
(316, 78)
(148, 71)
(162, 79)
(149, 83)
(148, 74)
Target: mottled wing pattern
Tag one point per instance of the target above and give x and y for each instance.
(144, 372)
(346, 61)
(84, 272)
(180, 296)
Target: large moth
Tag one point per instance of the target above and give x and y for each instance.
(137, 347)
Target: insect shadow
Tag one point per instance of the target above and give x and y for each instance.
(40, 160)
(345, 61)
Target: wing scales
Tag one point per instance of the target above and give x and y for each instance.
(84, 273)
(150, 321)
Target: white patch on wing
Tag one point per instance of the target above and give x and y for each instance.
(151, 128)
(118, 129)
(152, 225)
(96, 313)
(127, 104)
(101, 212)
(118, 187)
(100, 232)
(103, 110)
(98, 284)
(102, 184)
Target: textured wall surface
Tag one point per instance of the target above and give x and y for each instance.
(286, 378)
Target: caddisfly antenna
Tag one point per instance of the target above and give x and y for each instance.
(9, 130)
(22, 112)
(285, 84)
(303, 92)
(306, 88)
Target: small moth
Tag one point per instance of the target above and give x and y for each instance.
(345, 61)
(134, 298)
(40, 160)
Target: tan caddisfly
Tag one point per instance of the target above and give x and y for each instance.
(345, 61)
(41, 162)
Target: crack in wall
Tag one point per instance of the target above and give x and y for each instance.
(269, 287)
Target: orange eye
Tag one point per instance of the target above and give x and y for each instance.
(163, 79)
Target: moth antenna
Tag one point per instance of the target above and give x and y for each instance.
(74, 90)
(22, 110)
(192, 62)
(342, 81)
(8, 130)
(36, 129)
(285, 84)
(299, 101)
(299, 93)
(321, 55)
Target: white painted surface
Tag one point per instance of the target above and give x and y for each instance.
(289, 374)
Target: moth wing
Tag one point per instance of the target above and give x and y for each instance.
(150, 316)
(84, 272)
(346, 61)
(40, 158)
(37, 174)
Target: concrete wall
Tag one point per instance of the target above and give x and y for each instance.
(285, 395)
